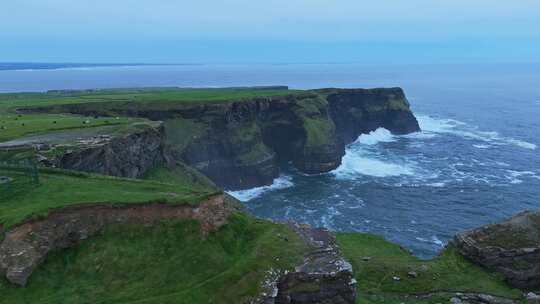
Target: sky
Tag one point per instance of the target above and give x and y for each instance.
(269, 31)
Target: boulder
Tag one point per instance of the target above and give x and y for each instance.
(511, 248)
(323, 277)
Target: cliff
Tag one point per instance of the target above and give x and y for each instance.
(124, 151)
(241, 143)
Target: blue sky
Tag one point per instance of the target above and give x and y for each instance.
(230, 31)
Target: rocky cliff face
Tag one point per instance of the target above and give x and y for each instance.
(26, 246)
(511, 248)
(240, 144)
(324, 276)
(360, 111)
(127, 151)
(126, 156)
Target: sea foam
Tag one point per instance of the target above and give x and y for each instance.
(358, 161)
(431, 125)
(281, 182)
(375, 137)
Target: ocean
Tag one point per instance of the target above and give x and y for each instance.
(476, 161)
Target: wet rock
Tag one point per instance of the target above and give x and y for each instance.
(532, 298)
(456, 300)
(511, 248)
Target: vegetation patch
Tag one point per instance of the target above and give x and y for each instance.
(13, 126)
(61, 188)
(319, 132)
(386, 270)
(181, 174)
(139, 96)
(168, 263)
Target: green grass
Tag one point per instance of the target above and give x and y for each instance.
(319, 131)
(14, 126)
(60, 188)
(449, 272)
(180, 132)
(165, 95)
(181, 174)
(168, 263)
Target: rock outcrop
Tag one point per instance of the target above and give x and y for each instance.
(126, 151)
(126, 156)
(324, 276)
(240, 144)
(26, 246)
(511, 247)
(360, 111)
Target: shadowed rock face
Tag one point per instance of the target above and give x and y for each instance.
(360, 111)
(26, 246)
(241, 144)
(246, 141)
(511, 247)
(124, 155)
(324, 276)
(128, 156)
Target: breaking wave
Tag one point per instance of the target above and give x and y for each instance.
(375, 137)
(281, 182)
(359, 161)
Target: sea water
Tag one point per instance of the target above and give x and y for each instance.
(476, 161)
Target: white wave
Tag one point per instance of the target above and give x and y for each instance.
(281, 182)
(354, 164)
(481, 146)
(514, 176)
(433, 240)
(523, 144)
(436, 241)
(437, 185)
(432, 125)
(375, 137)
(358, 161)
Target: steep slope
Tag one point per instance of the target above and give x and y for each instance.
(239, 142)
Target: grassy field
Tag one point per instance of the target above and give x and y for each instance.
(376, 262)
(168, 95)
(169, 263)
(181, 174)
(15, 125)
(60, 188)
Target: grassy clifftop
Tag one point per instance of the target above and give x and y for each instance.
(167, 263)
(14, 124)
(141, 97)
(377, 263)
(61, 188)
